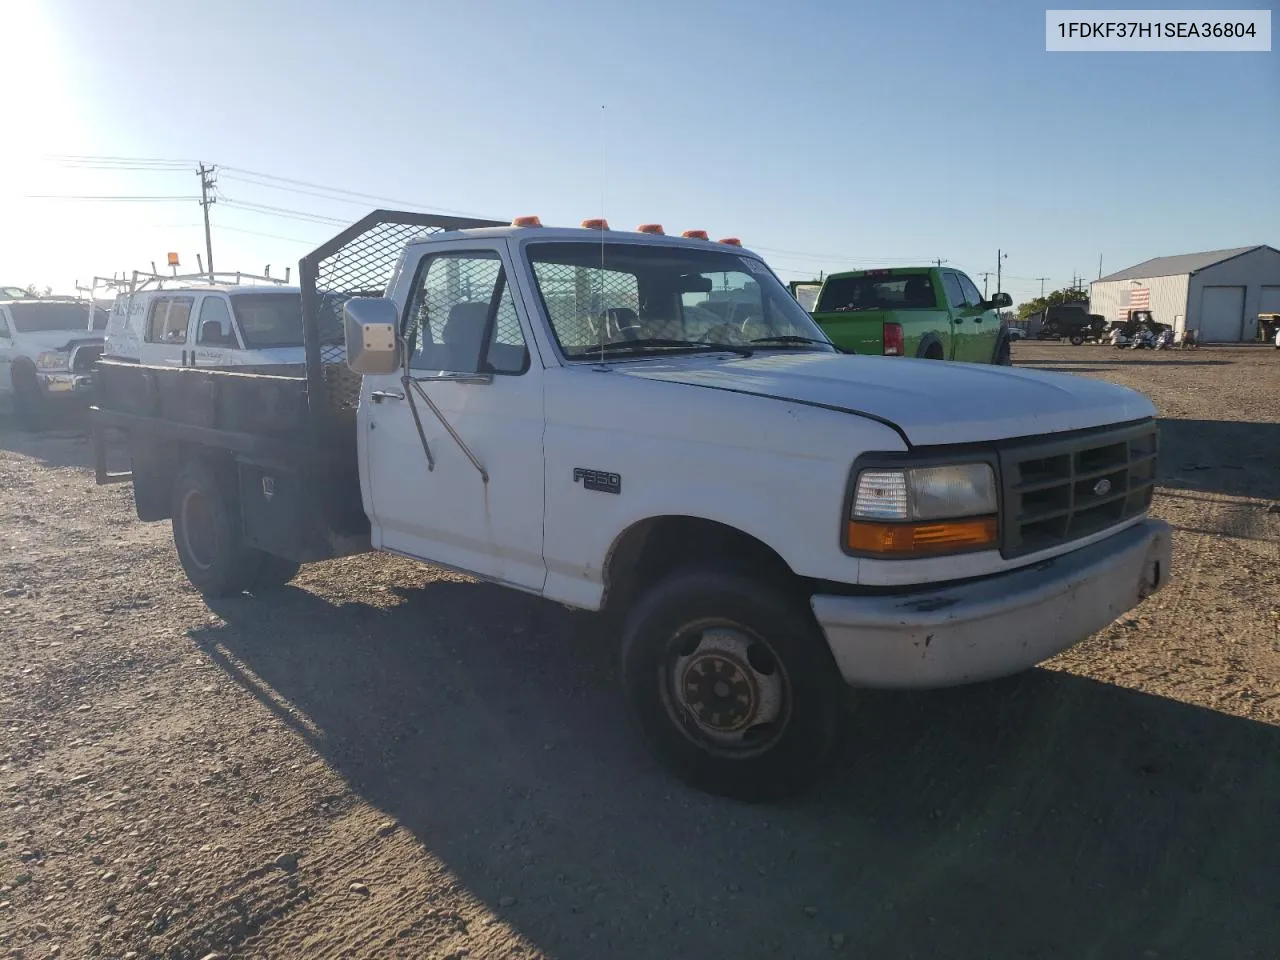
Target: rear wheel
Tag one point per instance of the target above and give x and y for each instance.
(1076, 339)
(206, 532)
(732, 687)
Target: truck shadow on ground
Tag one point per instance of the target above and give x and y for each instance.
(1238, 458)
(61, 441)
(1047, 815)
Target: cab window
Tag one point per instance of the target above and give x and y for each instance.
(214, 328)
(955, 293)
(463, 318)
(971, 295)
(168, 318)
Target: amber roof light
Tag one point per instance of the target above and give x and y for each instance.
(598, 223)
(695, 235)
(526, 222)
(650, 228)
(732, 241)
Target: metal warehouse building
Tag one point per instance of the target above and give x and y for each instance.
(1219, 293)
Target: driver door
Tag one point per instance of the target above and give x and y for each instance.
(460, 484)
(978, 343)
(213, 334)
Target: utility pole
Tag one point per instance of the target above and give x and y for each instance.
(1042, 280)
(984, 283)
(207, 199)
(940, 262)
(1000, 258)
(1099, 266)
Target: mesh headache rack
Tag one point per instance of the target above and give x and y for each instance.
(358, 262)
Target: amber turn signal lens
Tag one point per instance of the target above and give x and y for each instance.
(922, 539)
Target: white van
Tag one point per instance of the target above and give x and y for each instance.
(209, 325)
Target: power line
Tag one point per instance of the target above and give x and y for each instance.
(349, 193)
(270, 236)
(78, 196)
(83, 158)
(283, 212)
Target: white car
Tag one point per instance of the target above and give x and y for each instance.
(47, 349)
(209, 325)
(574, 413)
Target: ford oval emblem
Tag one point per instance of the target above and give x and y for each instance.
(1102, 487)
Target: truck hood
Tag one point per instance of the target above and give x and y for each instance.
(52, 340)
(932, 402)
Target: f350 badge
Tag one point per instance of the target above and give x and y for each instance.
(599, 480)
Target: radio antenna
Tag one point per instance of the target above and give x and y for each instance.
(604, 310)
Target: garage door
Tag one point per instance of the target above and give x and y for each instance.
(1221, 314)
(1270, 301)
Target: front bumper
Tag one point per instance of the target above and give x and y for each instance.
(65, 384)
(999, 625)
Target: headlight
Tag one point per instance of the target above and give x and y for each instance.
(52, 361)
(924, 510)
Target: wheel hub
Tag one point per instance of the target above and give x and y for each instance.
(720, 692)
(726, 690)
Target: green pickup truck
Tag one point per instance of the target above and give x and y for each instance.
(930, 312)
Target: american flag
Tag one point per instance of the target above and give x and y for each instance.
(1139, 299)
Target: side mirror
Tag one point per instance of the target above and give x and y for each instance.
(1001, 300)
(369, 329)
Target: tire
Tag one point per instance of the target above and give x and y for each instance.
(206, 531)
(1076, 340)
(29, 406)
(275, 572)
(791, 680)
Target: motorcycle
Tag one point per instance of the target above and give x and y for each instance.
(1143, 340)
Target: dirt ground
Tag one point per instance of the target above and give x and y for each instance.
(384, 760)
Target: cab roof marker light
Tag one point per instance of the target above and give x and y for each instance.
(526, 222)
(655, 228)
(732, 241)
(695, 235)
(596, 223)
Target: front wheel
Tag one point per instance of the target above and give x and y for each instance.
(1076, 339)
(732, 686)
(28, 400)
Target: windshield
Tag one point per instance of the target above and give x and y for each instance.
(269, 319)
(636, 299)
(49, 317)
(13, 293)
(895, 292)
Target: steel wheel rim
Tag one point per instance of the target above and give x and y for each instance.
(199, 533)
(725, 688)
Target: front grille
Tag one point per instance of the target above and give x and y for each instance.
(1062, 490)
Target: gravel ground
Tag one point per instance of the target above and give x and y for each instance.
(385, 760)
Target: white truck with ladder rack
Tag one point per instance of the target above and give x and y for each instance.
(220, 320)
(650, 426)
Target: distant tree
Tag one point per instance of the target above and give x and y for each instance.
(34, 291)
(1057, 297)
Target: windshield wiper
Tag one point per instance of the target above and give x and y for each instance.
(616, 346)
(790, 339)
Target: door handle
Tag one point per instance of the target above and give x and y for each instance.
(379, 395)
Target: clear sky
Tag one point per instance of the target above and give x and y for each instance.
(826, 135)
